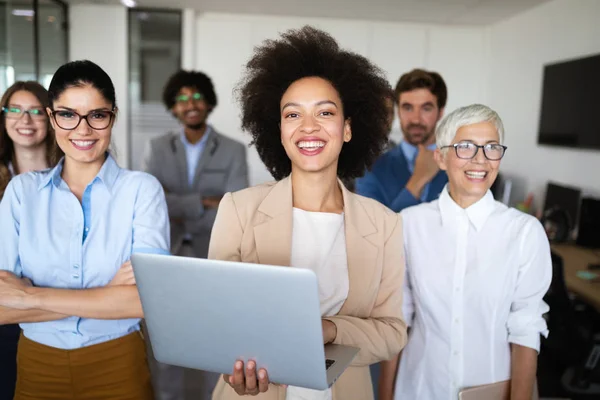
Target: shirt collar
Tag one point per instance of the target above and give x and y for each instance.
(477, 213)
(108, 174)
(410, 151)
(202, 141)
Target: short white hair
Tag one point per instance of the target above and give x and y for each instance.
(468, 115)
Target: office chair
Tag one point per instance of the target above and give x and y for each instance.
(571, 353)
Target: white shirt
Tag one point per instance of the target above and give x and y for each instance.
(475, 279)
(319, 244)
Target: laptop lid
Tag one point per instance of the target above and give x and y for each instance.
(206, 314)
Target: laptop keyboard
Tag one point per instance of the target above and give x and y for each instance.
(329, 363)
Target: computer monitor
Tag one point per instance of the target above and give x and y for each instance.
(564, 198)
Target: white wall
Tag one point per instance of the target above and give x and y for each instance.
(555, 31)
(99, 33)
(224, 43)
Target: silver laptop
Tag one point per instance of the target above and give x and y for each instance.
(206, 314)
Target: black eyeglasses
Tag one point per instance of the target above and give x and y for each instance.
(70, 120)
(468, 150)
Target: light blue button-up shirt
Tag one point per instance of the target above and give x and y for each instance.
(193, 152)
(410, 152)
(49, 237)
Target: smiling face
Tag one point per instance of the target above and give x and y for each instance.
(29, 129)
(83, 144)
(191, 108)
(470, 179)
(313, 128)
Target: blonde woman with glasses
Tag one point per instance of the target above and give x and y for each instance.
(474, 304)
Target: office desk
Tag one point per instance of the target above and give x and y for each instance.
(575, 259)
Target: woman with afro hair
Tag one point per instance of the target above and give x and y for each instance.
(317, 115)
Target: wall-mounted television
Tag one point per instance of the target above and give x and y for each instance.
(570, 112)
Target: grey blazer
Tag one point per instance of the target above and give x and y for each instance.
(222, 168)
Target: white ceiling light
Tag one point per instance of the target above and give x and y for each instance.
(129, 3)
(23, 13)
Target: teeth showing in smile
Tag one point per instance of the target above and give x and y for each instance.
(313, 144)
(26, 131)
(476, 174)
(83, 143)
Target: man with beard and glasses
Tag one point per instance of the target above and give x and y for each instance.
(408, 174)
(196, 167)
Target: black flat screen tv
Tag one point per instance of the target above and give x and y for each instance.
(570, 111)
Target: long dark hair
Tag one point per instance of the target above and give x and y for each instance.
(7, 149)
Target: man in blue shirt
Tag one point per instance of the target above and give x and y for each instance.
(196, 167)
(408, 174)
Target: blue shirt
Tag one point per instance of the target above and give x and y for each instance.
(387, 179)
(193, 152)
(410, 152)
(49, 237)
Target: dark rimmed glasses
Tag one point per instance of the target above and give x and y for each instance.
(468, 150)
(69, 120)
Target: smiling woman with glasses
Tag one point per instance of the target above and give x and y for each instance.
(26, 137)
(475, 303)
(66, 237)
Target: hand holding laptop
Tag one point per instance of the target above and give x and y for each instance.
(252, 383)
(329, 331)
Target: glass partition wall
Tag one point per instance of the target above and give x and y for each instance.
(33, 40)
(154, 55)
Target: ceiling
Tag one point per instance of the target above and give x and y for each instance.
(464, 12)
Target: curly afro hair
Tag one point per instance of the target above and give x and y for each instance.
(309, 52)
(194, 79)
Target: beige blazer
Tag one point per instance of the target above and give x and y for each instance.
(255, 225)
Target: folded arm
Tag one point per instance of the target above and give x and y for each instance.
(111, 302)
(15, 316)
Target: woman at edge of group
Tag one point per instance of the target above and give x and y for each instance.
(317, 114)
(67, 237)
(26, 144)
(475, 305)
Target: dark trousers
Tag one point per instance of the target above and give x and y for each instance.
(9, 339)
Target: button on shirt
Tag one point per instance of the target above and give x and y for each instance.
(48, 236)
(475, 282)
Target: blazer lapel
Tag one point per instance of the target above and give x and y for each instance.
(207, 154)
(273, 239)
(361, 253)
(180, 160)
(274, 236)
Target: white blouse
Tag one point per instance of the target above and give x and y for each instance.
(319, 244)
(475, 279)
